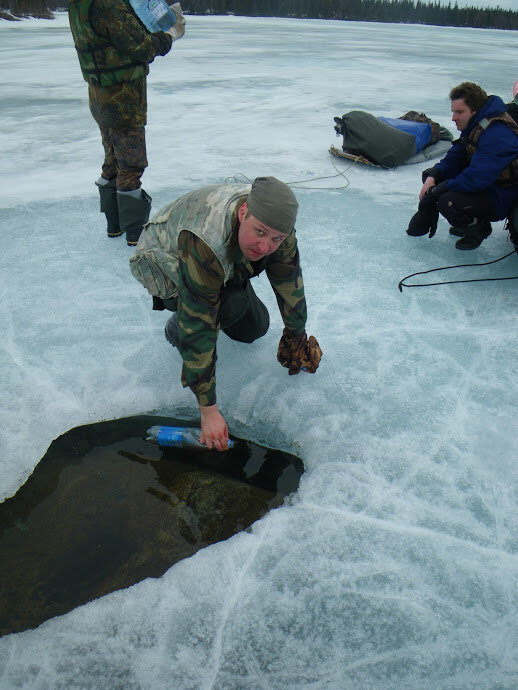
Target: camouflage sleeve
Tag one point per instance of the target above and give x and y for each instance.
(285, 276)
(200, 279)
(116, 20)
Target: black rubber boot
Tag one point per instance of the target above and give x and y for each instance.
(171, 331)
(133, 213)
(457, 231)
(475, 234)
(108, 196)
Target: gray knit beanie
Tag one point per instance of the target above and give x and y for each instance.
(273, 203)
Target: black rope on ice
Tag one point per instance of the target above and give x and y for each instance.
(402, 283)
(243, 179)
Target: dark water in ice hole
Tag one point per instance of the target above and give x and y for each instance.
(104, 509)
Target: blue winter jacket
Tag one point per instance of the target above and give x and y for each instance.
(497, 147)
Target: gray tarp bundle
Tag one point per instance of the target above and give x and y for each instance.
(368, 136)
(365, 135)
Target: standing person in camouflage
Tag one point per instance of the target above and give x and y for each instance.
(196, 257)
(114, 50)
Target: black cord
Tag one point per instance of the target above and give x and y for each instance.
(402, 284)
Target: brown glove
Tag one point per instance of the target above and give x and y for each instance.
(298, 352)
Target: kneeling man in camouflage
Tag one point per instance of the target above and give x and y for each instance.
(196, 258)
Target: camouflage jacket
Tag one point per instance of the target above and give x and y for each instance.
(116, 63)
(188, 251)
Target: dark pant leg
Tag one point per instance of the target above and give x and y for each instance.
(461, 208)
(130, 152)
(242, 315)
(109, 169)
(125, 157)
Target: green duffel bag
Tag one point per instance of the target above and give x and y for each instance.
(366, 135)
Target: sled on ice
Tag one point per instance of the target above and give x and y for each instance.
(389, 142)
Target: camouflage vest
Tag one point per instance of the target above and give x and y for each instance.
(208, 214)
(509, 175)
(102, 64)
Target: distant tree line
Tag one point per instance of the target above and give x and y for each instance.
(11, 9)
(396, 11)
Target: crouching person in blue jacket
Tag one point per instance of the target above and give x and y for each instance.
(477, 181)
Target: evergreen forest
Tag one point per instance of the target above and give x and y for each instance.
(393, 11)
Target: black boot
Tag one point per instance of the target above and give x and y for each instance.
(133, 213)
(475, 234)
(457, 231)
(108, 196)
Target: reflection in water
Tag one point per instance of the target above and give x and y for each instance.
(104, 509)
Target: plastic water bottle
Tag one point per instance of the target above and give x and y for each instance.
(177, 437)
(156, 15)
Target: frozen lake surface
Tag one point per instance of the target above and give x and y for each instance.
(396, 563)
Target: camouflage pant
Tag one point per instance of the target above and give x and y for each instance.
(124, 156)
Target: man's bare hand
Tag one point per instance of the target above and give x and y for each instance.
(214, 430)
(429, 182)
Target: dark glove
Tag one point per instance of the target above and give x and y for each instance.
(431, 172)
(158, 304)
(437, 191)
(298, 352)
(426, 218)
(161, 42)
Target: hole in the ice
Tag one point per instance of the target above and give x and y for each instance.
(105, 509)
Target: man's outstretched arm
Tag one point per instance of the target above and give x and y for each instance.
(199, 285)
